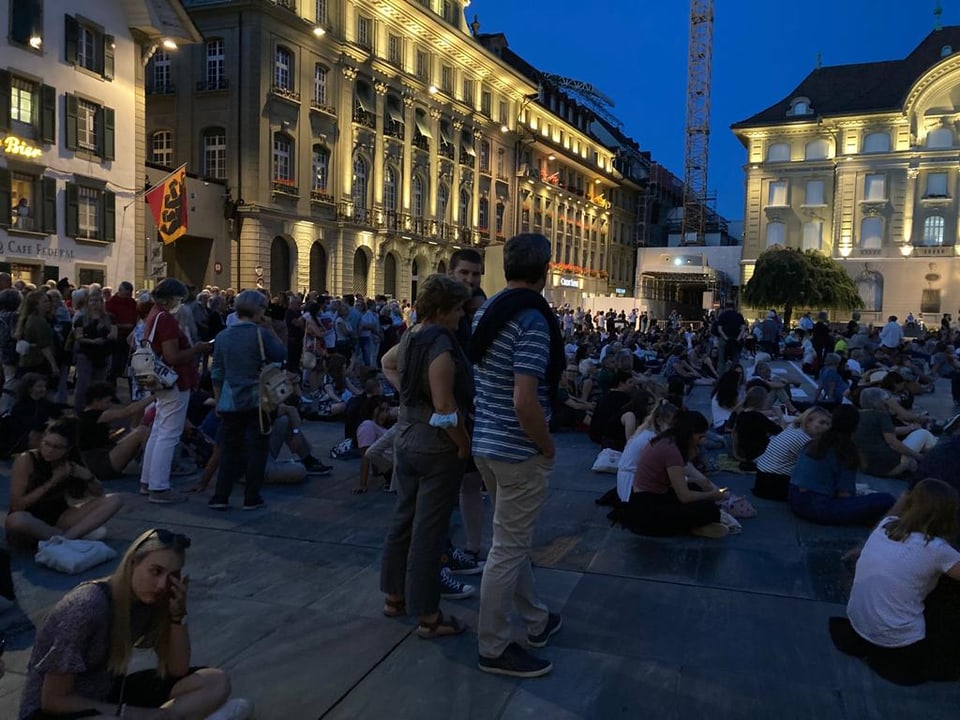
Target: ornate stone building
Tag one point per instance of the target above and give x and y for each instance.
(363, 141)
(860, 162)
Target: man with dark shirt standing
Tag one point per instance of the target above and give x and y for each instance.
(296, 327)
(731, 328)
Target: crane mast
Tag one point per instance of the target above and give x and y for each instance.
(697, 148)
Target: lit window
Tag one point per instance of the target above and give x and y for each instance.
(215, 153)
(814, 193)
(87, 125)
(875, 188)
(871, 233)
(776, 234)
(282, 69)
(282, 158)
(364, 31)
(778, 152)
(877, 142)
(88, 213)
(321, 168)
(937, 185)
(319, 85)
(812, 235)
(161, 148)
(933, 231)
(777, 194)
(22, 100)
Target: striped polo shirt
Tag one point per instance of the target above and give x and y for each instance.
(523, 347)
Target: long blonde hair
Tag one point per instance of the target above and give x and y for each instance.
(121, 592)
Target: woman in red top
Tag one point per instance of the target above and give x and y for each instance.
(663, 501)
(170, 343)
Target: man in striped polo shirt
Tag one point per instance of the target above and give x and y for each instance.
(517, 350)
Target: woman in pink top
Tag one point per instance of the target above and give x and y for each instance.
(669, 497)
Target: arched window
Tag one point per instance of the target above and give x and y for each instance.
(319, 85)
(283, 168)
(940, 138)
(418, 197)
(778, 152)
(443, 198)
(876, 142)
(280, 265)
(801, 108)
(283, 69)
(390, 275)
(161, 148)
(483, 213)
(361, 267)
(318, 267)
(321, 169)
(360, 182)
(816, 150)
(871, 233)
(464, 208)
(776, 234)
(933, 231)
(390, 189)
(214, 157)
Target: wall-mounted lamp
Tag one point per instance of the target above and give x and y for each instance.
(168, 44)
(432, 90)
(319, 31)
(845, 251)
(906, 249)
(504, 128)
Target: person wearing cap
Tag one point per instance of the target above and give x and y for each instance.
(104, 457)
(170, 344)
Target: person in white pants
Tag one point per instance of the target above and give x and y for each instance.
(172, 345)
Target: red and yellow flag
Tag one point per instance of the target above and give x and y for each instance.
(168, 203)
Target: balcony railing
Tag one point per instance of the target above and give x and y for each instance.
(933, 250)
(321, 196)
(286, 187)
(165, 89)
(446, 150)
(320, 107)
(362, 117)
(212, 84)
(285, 93)
(394, 129)
(466, 158)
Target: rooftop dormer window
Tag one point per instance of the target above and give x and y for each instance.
(800, 106)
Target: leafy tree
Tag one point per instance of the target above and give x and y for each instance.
(788, 278)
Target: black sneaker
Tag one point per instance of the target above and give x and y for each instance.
(554, 623)
(515, 662)
(460, 563)
(315, 467)
(453, 589)
(255, 505)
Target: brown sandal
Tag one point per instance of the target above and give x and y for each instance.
(441, 627)
(394, 608)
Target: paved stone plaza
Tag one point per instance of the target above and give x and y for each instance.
(287, 600)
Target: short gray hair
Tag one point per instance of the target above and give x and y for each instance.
(873, 398)
(526, 257)
(250, 302)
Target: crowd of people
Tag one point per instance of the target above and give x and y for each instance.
(443, 399)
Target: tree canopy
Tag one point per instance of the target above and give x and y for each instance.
(788, 278)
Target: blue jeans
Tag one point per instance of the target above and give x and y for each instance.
(243, 451)
(824, 510)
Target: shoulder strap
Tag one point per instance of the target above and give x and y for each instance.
(153, 330)
(263, 355)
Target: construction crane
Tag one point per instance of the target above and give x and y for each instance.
(593, 98)
(697, 152)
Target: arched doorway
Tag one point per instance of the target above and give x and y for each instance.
(279, 265)
(318, 267)
(442, 267)
(361, 268)
(390, 275)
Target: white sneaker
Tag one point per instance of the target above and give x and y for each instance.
(235, 709)
(96, 534)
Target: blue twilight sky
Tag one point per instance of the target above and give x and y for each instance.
(636, 52)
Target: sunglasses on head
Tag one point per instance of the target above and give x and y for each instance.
(171, 539)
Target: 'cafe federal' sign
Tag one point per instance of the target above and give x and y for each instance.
(12, 145)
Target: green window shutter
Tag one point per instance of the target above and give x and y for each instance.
(48, 114)
(4, 100)
(108, 134)
(51, 272)
(4, 267)
(70, 126)
(48, 196)
(109, 50)
(72, 201)
(109, 216)
(70, 35)
(6, 202)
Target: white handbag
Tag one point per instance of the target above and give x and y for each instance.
(607, 461)
(150, 371)
(72, 556)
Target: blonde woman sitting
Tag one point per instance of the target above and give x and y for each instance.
(78, 667)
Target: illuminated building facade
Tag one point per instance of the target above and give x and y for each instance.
(860, 162)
